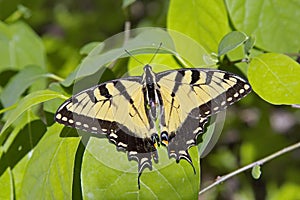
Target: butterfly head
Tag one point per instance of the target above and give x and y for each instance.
(150, 92)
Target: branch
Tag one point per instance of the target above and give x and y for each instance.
(259, 162)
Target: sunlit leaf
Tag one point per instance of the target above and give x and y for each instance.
(52, 162)
(6, 182)
(204, 22)
(18, 173)
(108, 174)
(275, 78)
(20, 46)
(271, 22)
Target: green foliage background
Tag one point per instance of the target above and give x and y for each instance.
(40, 46)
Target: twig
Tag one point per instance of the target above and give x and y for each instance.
(259, 162)
(127, 27)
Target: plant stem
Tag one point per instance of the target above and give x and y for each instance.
(259, 162)
(53, 76)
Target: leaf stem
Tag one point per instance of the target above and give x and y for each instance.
(251, 165)
(54, 77)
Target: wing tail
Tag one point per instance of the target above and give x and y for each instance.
(144, 161)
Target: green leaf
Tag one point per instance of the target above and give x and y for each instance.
(159, 63)
(272, 23)
(211, 136)
(20, 150)
(19, 127)
(19, 83)
(28, 102)
(18, 173)
(50, 169)
(204, 22)
(6, 182)
(144, 40)
(86, 49)
(20, 46)
(287, 190)
(52, 105)
(275, 78)
(249, 44)
(256, 172)
(108, 174)
(231, 41)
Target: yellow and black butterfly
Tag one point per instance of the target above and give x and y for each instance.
(127, 110)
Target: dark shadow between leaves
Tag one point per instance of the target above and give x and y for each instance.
(77, 187)
(24, 142)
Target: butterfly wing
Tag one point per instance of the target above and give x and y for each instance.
(116, 109)
(189, 97)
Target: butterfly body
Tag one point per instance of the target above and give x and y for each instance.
(127, 110)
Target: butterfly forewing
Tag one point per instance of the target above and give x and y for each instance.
(120, 101)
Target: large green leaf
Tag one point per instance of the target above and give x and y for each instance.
(273, 23)
(185, 53)
(275, 78)
(107, 174)
(20, 46)
(202, 20)
(142, 41)
(50, 169)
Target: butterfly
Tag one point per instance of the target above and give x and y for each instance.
(139, 113)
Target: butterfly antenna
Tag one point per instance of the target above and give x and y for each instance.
(156, 52)
(133, 57)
